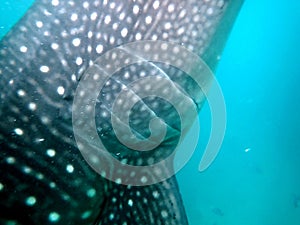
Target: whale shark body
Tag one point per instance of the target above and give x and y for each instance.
(44, 178)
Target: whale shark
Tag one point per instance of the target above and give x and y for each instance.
(44, 177)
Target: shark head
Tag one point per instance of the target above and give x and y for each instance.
(43, 60)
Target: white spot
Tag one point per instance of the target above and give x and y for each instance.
(194, 33)
(47, 13)
(74, 17)
(111, 216)
(112, 40)
(18, 131)
(79, 61)
(39, 24)
(144, 179)
(99, 49)
(27, 169)
(220, 3)
(60, 90)
(115, 26)
(99, 35)
(89, 48)
(54, 46)
(1, 186)
(32, 106)
(21, 93)
(180, 31)
(135, 9)
(12, 62)
(11, 82)
(94, 16)
(64, 34)
(55, 2)
(127, 75)
(90, 34)
(112, 5)
(65, 197)
(164, 46)
(164, 214)
(10, 160)
(122, 16)
(154, 37)
(104, 114)
(176, 50)
(210, 11)
(138, 36)
(148, 19)
(171, 8)
(51, 152)
(39, 176)
(23, 49)
(168, 25)
(156, 4)
(70, 168)
(44, 69)
(85, 18)
(182, 13)
(96, 77)
(118, 181)
(107, 19)
(52, 184)
(76, 42)
(30, 201)
(147, 47)
(45, 120)
(130, 202)
(39, 139)
(165, 35)
(85, 5)
(124, 32)
(73, 77)
(155, 194)
(64, 62)
(86, 214)
(53, 217)
(91, 193)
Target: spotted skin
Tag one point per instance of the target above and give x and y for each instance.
(44, 178)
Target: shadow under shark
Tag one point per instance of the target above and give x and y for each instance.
(44, 178)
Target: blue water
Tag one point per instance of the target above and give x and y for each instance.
(259, 76)
(10, 13)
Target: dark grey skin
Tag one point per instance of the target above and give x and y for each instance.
(44, 178)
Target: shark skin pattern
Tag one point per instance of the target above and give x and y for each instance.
(44, 178)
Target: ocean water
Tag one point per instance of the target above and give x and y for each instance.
(255, 180)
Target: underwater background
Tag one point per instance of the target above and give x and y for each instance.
(255, 180)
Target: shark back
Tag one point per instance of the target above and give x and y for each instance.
(44, 178)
